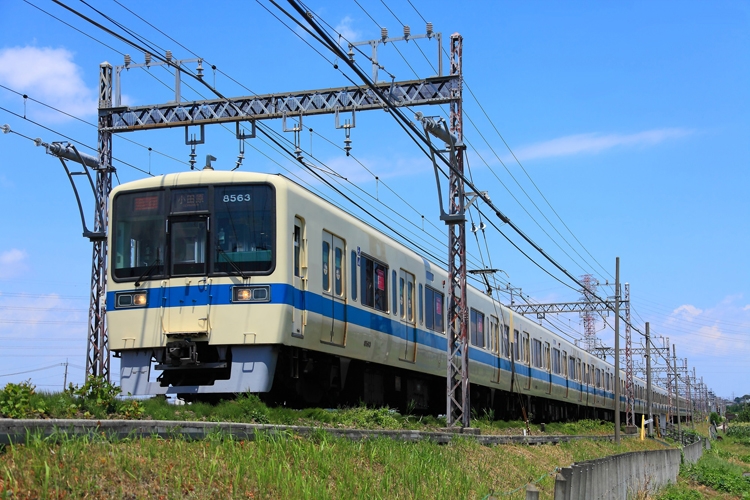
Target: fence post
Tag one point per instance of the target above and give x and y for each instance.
(561, 487)
(532, 492)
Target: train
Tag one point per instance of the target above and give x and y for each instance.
(229, 282)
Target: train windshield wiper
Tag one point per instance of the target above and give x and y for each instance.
(231, 262)
(148, 271)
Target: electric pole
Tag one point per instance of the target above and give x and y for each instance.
(617, 351)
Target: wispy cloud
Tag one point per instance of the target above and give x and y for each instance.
(48, 75)
(12, 263)
(346, 29)
(593, 143)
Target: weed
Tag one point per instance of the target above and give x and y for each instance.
(17, 401)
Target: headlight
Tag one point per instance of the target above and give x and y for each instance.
(130, 299)
(251, 293)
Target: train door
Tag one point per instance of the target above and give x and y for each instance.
(299, 279)
(566, 370)
(580, 380)
(189, 289)
(407, 315)
(334, 293)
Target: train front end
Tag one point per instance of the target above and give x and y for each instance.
(196, 300)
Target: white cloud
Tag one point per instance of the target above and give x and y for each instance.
(50, 76)
(687, 312)
(347, 30)
(12, 263)
(746, 308)
(595, 143)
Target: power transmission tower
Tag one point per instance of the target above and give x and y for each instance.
(629, 389)
(589, 319)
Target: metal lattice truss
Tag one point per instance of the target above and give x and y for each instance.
(437, 90)
(564, 307)
(629, 386)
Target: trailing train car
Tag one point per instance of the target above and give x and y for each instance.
(226, 282)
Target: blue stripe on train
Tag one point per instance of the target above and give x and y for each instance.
(284, 294)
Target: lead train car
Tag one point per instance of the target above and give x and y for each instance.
(226, 282)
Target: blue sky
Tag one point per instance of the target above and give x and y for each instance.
(629, 121)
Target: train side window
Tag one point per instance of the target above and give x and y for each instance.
(547, 363)
(421, 306)
(494, 333)
(564, 365)
(477, 328)
(338, 271)
(374, 278)
(537, 353)
(297, 238)
(433, 317)
(410, 298)
(354, 275)
(325, 263)
(526, 351)
(401, 297)
(598, 373)
(394, 290)
(556, 360)
(572, 368)
(516, 345)
(579, 376)
(506, 341)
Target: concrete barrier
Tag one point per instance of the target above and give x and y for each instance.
(619, 476)
(692, 452)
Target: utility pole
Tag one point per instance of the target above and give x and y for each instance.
(458, 408)
(629, 389)
(617, 351)
(65, 377)
(649, 399)
(97, 357)
(676, 388)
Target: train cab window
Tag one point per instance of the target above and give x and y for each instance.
(477, 328)
(516, 345)
(374, 278)
(244, 232)
(536, 353)
(354, 275)
(188, 246)
(433, 317)
(139, 235)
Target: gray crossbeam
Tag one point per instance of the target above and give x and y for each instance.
(435, 90)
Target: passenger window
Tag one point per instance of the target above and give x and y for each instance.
(421, 306)
(354, 275)
(433, 310)
(297, 238)
(395, 294)
(374, 278)
(516, 345)
(477, 328)
(537, 353)
(410, 299)
(401, 292)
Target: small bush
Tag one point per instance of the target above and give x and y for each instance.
(714, 418)
(17, 401)
(97, 396)
(717, 473)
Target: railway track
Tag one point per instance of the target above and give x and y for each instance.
(17, 430)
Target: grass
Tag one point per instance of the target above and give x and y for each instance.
(718, 474)
(282, 467)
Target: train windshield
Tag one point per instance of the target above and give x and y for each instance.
(140, 235)
(194, 231)
(243, 233)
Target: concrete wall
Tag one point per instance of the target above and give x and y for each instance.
(693, 452)
(619, 475)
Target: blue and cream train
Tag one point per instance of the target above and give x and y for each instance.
(226, 282)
